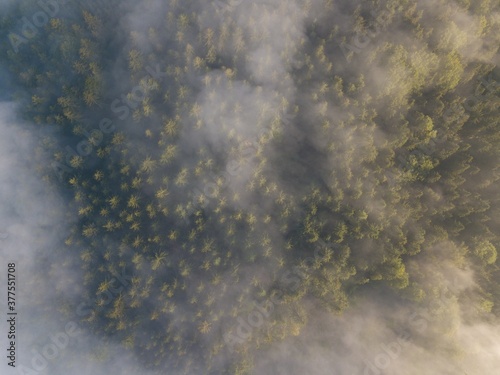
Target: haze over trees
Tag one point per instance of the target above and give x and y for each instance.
(209, 149)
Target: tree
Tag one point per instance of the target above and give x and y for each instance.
(485, 251)
(135, 60)
(159, 259)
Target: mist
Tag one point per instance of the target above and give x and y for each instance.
(265, 187)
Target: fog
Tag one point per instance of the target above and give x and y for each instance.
(254, 131)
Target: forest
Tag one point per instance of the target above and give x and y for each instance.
(264, 187)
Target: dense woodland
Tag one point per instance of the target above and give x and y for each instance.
(237, 146)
